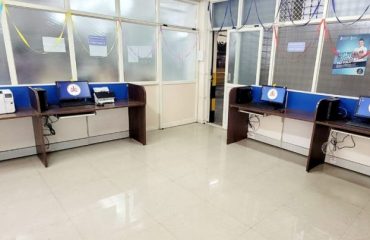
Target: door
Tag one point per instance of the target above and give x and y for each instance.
(243, 61)
(179, 77)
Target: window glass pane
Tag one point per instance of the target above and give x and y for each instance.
(106, 7)
(348, 8)
(294, 68)
(265, 10)
(32, 65)
(4, 70)
(179, 55)
(134, 9)
(341, 84)
(221, 14)
(294, 10)
(53, 3)
(243, 56)
(139, 51)
(96, 49)
(179, 13)
(266, 56)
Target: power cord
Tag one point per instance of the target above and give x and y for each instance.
(48, 126)
(334, 144)
(254, 122)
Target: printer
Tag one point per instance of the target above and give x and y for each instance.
(102, 96)
(6, 101)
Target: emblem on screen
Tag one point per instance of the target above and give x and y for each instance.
(73, 89)
(272, 94)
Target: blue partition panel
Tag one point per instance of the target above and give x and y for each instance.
(21, 97)
(307, 102)
(22, 100)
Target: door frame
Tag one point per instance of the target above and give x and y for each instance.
(228, 85)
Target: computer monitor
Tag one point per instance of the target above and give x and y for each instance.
(73, 90)
(363, 108)
(276, 95)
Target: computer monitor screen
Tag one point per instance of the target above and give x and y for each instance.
(75, 90)
(363, 107)
(273, 94)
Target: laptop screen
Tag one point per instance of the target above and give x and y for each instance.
(75, 90)
(363, 108)
(273, 94)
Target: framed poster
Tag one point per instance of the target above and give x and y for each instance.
(351, 55)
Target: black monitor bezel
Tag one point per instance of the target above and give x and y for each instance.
(72, 99)
(272, 102)
(358, 107)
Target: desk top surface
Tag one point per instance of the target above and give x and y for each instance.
(20, 113)
(341, 125)
(56, 110)
(288, 113)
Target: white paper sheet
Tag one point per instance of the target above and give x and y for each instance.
(98, 46)
(52, 44)
(98, 51)
(135, 53)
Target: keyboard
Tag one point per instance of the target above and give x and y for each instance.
(358, 123)
(263, 106)
(76, 104)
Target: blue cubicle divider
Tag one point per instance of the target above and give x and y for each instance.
(307, 102)
(22, 100)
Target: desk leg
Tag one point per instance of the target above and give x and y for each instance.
(316, 157)
(237, 128)
(137, 122)
(39, 139)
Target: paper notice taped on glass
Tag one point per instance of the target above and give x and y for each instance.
(52, 44)
(98, 46)
(296, 47)
(135, 53)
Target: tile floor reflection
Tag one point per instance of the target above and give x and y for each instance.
(186, 184)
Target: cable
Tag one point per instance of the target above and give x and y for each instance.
(223, 21)
(251, 122)
(349, 23)
(49, 126)
(333, 144)
(231, 14)
(310, 15)
(259, 18)
(343, 140)
(47, 144)
(247, 17)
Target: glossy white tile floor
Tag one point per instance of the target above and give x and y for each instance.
(187, 184)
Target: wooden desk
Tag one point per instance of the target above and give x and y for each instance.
(20, 113)
(239, 117)
(56, 110)
(321, 133)
(137, 117)
(239, 120)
